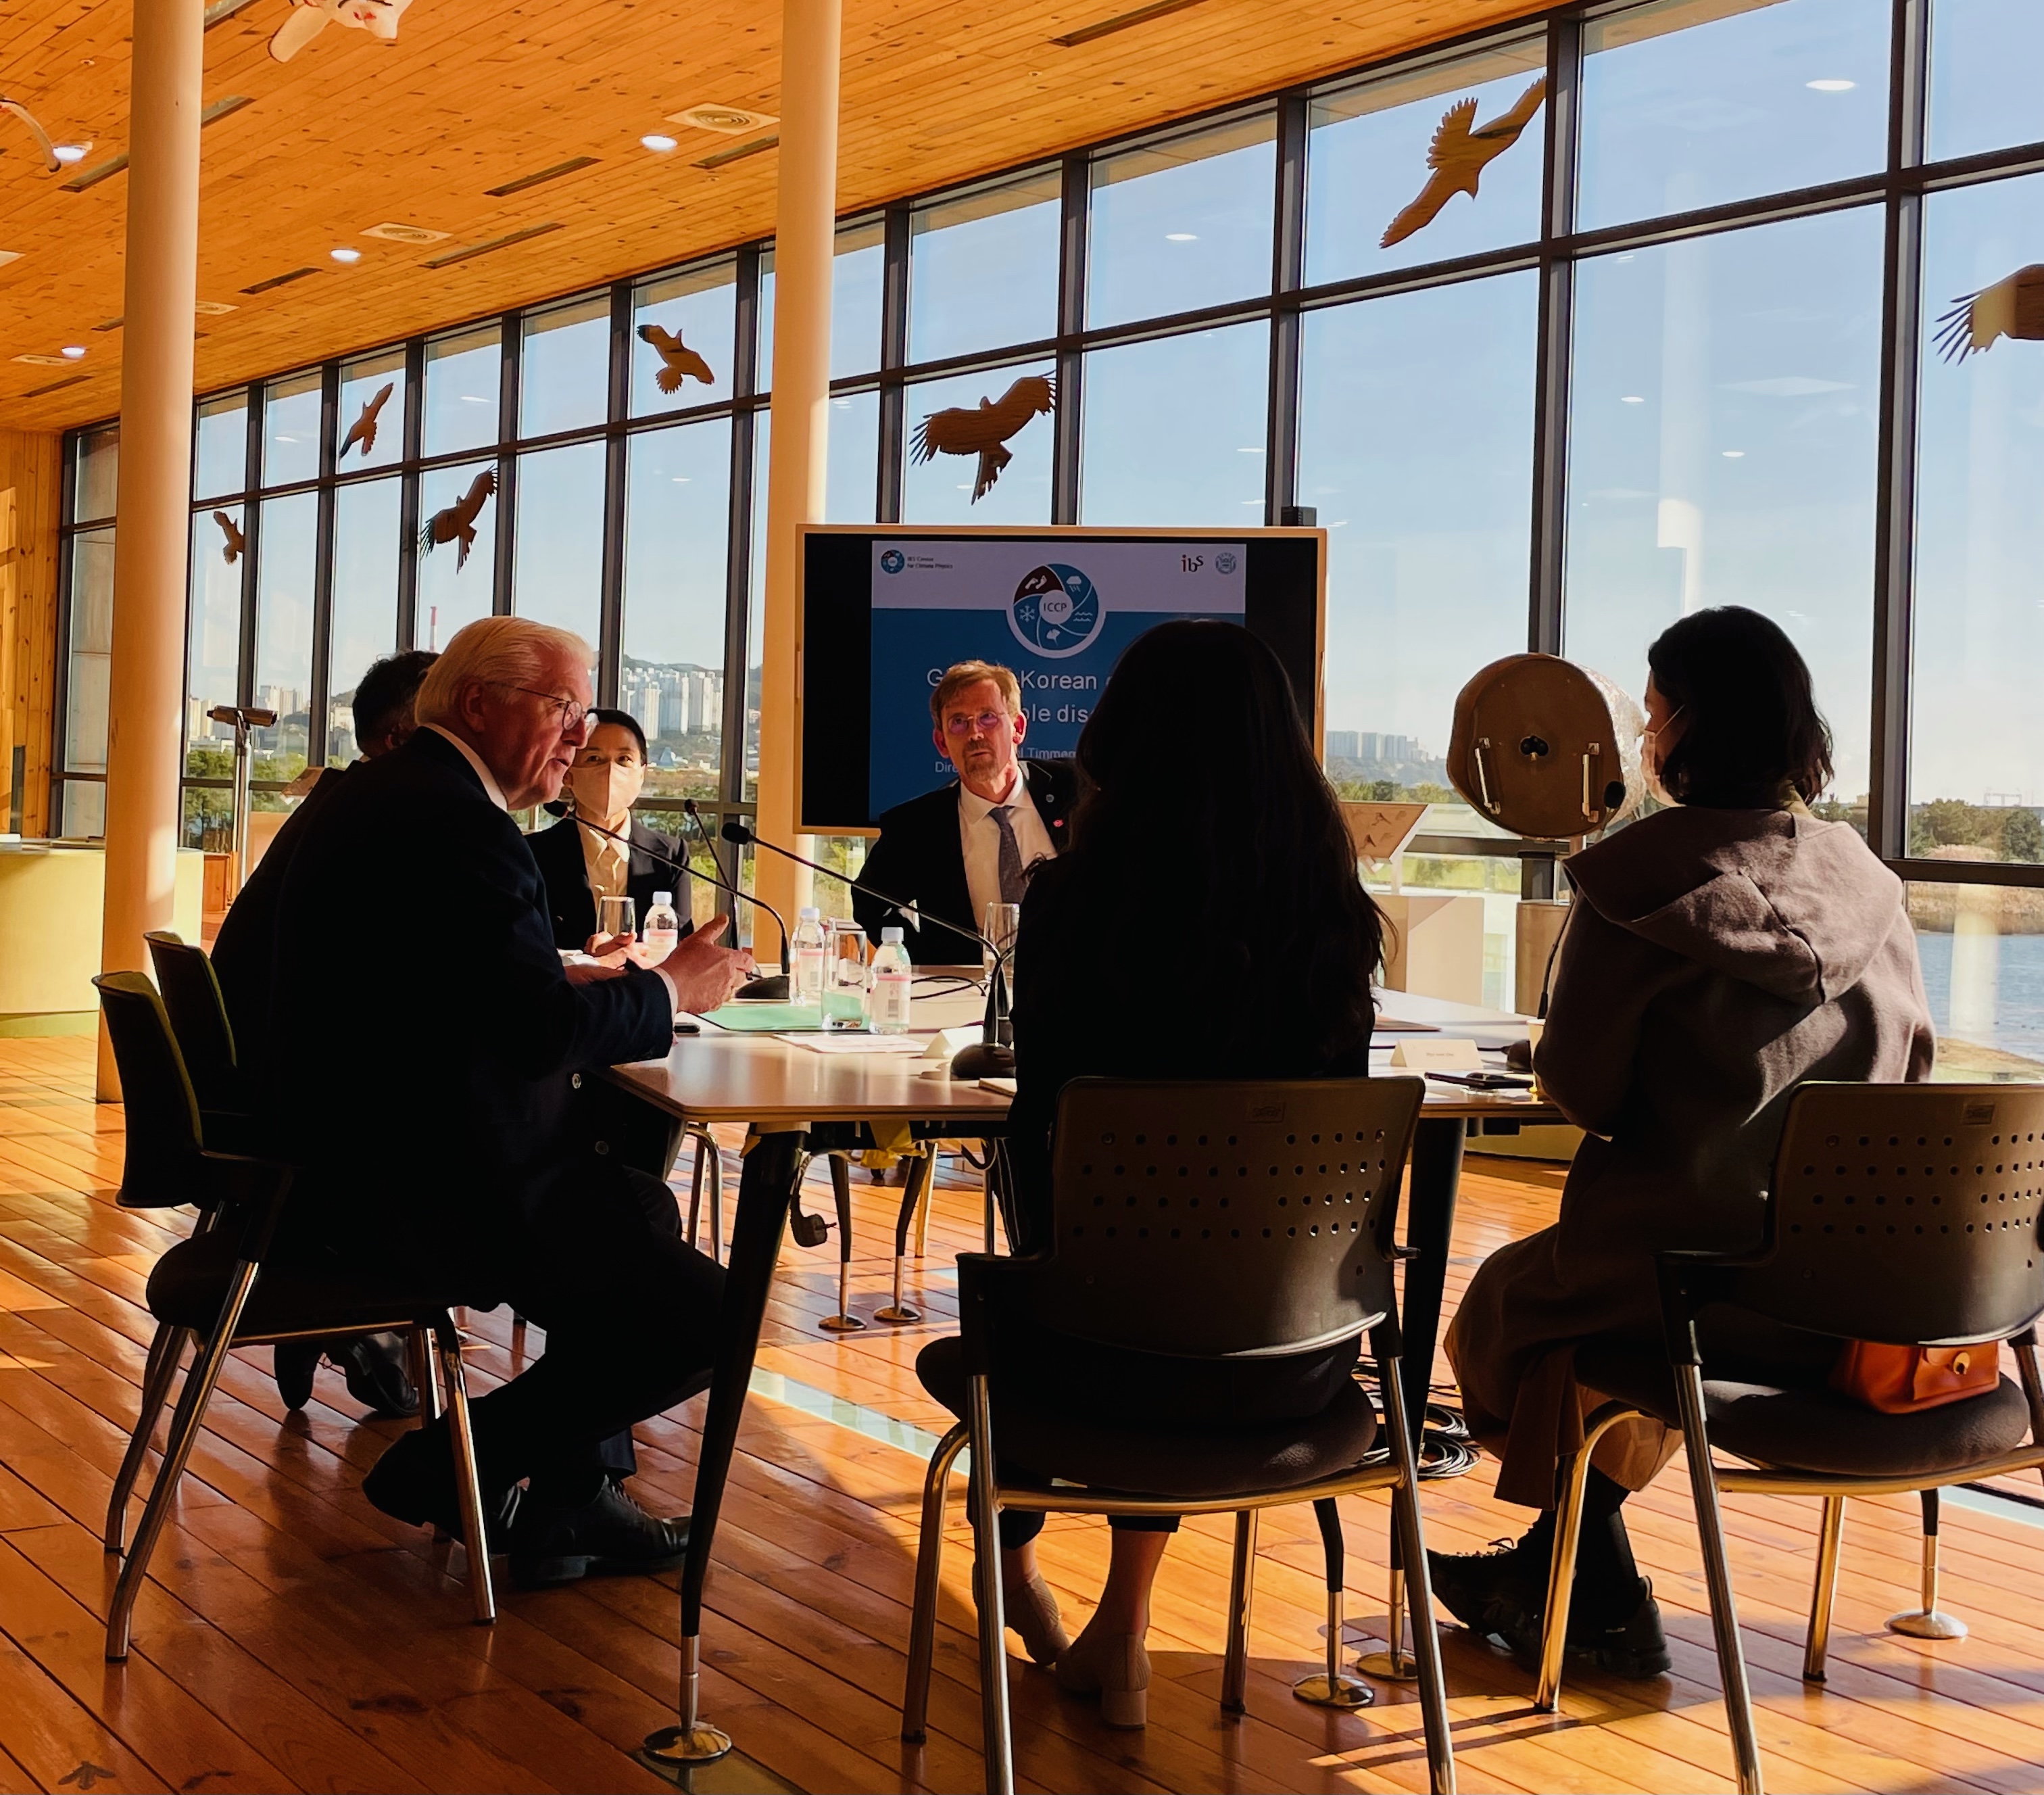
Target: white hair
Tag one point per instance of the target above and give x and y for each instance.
(495, 651)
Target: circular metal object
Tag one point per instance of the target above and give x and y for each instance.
(1927, 1623)
(1338, 1691)
(675, 1748)
(899, 1316)
(1403, 1668)
(841, 1324)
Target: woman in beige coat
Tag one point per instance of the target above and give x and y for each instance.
(1718, 953)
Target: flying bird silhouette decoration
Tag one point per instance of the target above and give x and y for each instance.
(42, 137)
(310, 17)
(363, 429)
(457, 522)
(678, 360)
(1458, 156)
(2013, 306)
(236, 544)
(984, 429)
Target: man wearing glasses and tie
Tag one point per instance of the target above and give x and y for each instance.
(972, 843)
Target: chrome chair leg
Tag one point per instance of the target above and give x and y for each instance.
(468, 1481)
(1930, 1621)
(419, 1351)
(1824, 1592)
(1241, 1592)
(999, 1745)
(709, 1162)
(165, 1351)
(1561, 1579)
(929, 1580)
(1419, 1586)
(844, 1321)
(920, 1169)
(1331, 1688)
(695, 1189)
(197, 1391)
(1717, 1572)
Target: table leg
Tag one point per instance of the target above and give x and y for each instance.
(765, 1192)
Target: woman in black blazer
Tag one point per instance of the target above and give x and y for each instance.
(609, 772)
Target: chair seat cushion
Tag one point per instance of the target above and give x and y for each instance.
(1174, 1465)
(189, 1283)
(1800, 1424)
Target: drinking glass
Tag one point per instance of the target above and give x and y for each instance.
(1000, 925)
(846, 977)
(617, 915)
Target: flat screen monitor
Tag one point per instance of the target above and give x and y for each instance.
(886, 609)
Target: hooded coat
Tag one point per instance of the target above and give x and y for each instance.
(1714, 960)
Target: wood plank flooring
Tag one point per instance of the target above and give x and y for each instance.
(293, 1639)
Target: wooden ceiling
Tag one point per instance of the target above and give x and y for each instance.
(479, 94)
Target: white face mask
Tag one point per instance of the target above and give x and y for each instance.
(603, 789)
(1650, 757)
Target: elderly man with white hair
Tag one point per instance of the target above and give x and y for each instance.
(431, 1052)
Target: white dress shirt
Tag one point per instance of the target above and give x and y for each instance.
(980, 837)
(607, 862)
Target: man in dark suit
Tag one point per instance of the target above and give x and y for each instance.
(374, 1364)
(972, 843)
(432, 1046)
(580, 865)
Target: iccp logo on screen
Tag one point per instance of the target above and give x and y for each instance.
(893, 561)
(1055, 611)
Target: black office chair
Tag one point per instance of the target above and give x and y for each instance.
(198, 1018)
(214, 1288)
(1906, 1214)
(1201, 1221)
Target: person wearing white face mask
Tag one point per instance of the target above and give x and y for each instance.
(580, 865)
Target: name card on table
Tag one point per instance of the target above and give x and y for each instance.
(1438, 1053)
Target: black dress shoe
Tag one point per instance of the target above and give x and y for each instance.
(608, 1535)
(295, 1362)
(414, 1482)
(1503, 1595)
(378, 1376)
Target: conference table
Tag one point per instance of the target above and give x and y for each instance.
(796, 1102)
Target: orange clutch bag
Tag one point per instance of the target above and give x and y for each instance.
(1899, 1380)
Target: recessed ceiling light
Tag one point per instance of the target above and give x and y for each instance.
(344, 254)
(73, 352)
(1249, 450)
(657, 142)
(1180, 236)
(732, 121)
(681, 480)
(1830, 86)
(70, 153)
(405, 233)
(1632, 399)
(7, 256)
(1731, 454)
(474, 399)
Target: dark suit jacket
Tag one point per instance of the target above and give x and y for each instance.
(569, 903)
(248, 931)
(428, 1046)
(920, 857)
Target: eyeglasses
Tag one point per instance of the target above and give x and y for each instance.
(571, 712)
(985, 724)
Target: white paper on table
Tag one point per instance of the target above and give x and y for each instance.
(855, 1043)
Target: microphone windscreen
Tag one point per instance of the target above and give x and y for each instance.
(560, 807)
(735, 831)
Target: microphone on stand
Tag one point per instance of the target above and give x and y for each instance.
(773, 988)
(990, 1056)
(770, 988)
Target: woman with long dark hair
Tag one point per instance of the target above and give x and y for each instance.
(1206, 923)
(1718, 953)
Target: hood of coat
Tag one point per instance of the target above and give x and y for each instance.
(1775, 899)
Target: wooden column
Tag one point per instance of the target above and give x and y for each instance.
(154, 496)
(31, 487)
(804, 225)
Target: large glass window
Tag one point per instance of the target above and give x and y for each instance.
(284, 571)
(558, 576)
(212, 654)
(1723, 439)
(1415, 449)
(564, 368)
(220, 461)
(91, 651)
(1692, 103)
(851, 485)
(1183, 223)
(366, 519)
(677, 527)
(291, 429)
(1985, 92)
(370, 423)
(1982, 950)
(1174, 429)
(1442, 161)
(978, 448)
(456, 550)
(462, 381)
(1976, 746)
(859, 277)
(683, 330)
(983, 269)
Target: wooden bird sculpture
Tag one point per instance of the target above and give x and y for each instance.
(2011, 307)
(363, 429)
(232, 550)
(309, 18)
(1458, 156)
(984, 429)
(678, 360)
(457, 522)
(42, 137)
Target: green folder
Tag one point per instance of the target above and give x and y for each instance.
(766, 1019)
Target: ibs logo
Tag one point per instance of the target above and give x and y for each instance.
(893, 561)
(1055, 611)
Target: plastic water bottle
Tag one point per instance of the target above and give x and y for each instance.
(807, 952)
(663, 927)
(892, 977)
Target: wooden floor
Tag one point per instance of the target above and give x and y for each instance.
(294, 1639)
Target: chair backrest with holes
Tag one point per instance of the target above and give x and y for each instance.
(1906, 1213)
(1213, 1219)
(162, 1166)
(198, 1018)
